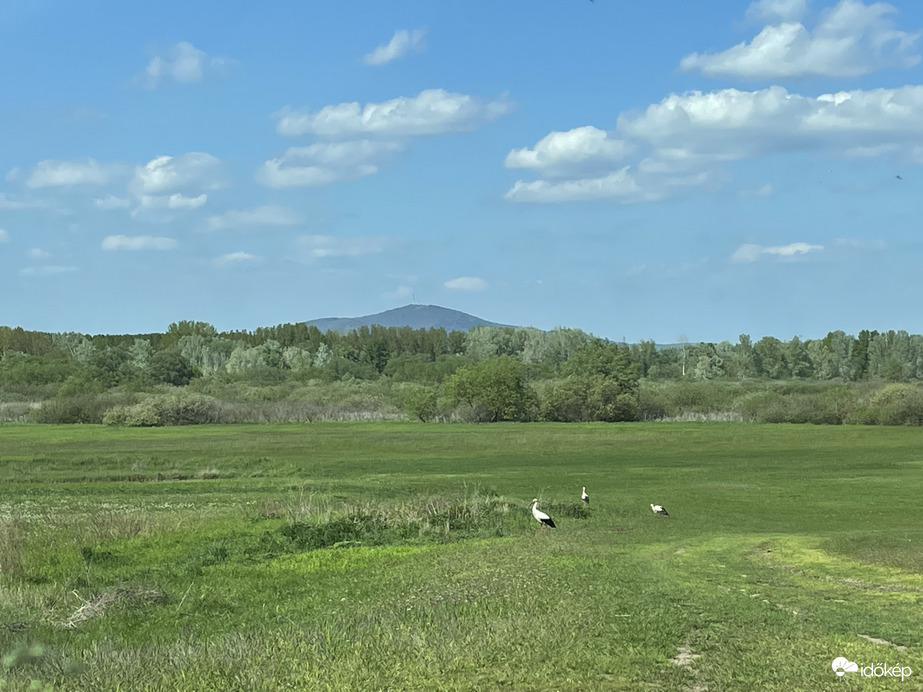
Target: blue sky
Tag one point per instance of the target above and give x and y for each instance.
(640, 170)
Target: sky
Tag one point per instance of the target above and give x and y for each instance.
(638, 170)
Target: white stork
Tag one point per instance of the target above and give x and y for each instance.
(541, 517)
(659, 509)
(584, 496)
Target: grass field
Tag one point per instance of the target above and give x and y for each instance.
(404, 557)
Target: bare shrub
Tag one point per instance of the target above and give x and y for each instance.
(15, 412)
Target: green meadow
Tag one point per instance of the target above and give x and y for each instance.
(392, 556)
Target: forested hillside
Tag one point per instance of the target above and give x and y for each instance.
(193, 373)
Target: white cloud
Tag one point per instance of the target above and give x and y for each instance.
(234, 258)
(4, 236)
(751, 253)
(110, 202)
(174, 201)
(324, 163)
(38, 253)
(268, 215)
(193, 171)
(432, 111)
(183, 63)
(616, 184)
(729, 124)
(140, 242)
(7, 203)
(561, 152)
(50, 173)
(622, 185)
(47, 270)
(686, 138)
(765, 190)
(400, 44)
(851, 39)
(399, 292)
(315, 247)
(466, 283)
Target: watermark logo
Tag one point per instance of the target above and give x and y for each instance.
(842, 665)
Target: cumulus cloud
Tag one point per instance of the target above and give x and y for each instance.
(38, 253)
(851, 39)
(234, 258)
(684, 140)
(111, 202)
(190, 172)
(624, 185)
(730, 124)
(324, 163)
(183, 63)
(616, 184)
(51, 173)
(174, 201)
(400, 44)
(315, 247)
(432, 111)
(751, 253)
(4, 236)
(560, 153)
(138, 242)
(268, 215)
(466, 283)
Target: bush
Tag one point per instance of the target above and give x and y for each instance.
(583, 398)
(652, 404)
(421, 403)
(180, 408)
(893, 404)
(81, 408)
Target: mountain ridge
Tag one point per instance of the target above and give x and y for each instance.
(412, 315)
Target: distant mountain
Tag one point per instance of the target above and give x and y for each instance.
(414, 316)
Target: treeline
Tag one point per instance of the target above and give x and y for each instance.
(194, 373)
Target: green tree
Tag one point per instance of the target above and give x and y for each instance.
(484, 342)
(644, 354)
(495, 388)
(606, 359)
(584, 398)
(769, 358)
(601, 382)
(860, 354)
(708, 365)
(797, 361)
(170, 367)
(177, 330)
(77, 346)
(323, 356)
(140, 354)
(421, 403)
